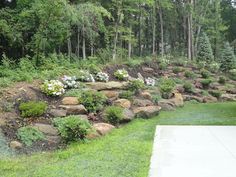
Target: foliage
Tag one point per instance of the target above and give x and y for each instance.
(150, 81)
(85, 76)
(166, 87)
(156, 98)
(204, 52)
(126, 95)
(136, 84)
(189, 74)
(232, 74)
(206, 83)
(121, 74)
(70, 82)
(113, 114)
(228, 59)
(214, 67)
(222, 80)
(103, 77)
(28, 135)
(53, 88)
(188, 87)
(72, 128)
(205, 74)
(92, 100)
(201, 64)
(164, 62)
(215, 93)
(33, 108)
(177, 70)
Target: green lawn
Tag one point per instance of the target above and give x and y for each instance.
(125, 152)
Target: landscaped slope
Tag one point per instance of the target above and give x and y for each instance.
(125, 152)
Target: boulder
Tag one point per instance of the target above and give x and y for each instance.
(166, 105)
(70, 101)
(128, 115)
(53, 139)
(146, 95)
(46, 129)
(209, 99)
(142, 103)
(107, 85)
(2, 122)
(74, 109)
(103, 128)
(58, 112)
(148, 69)
(93, 135)
(124, 103)
(177, 100)
(147, 112)
(15, 145)
(192, 97)
(110, 93)
(228, 97)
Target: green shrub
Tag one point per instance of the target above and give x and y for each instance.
(121, 74)
(166, 87)
(188, 87)
(222, 80)
(232, 74)
(92, 100)
(206, 83)
(113, 114)
(72, 128)
(214, 67)
(156, 98)
(29, 134)
(228, 59)
(215, 93)
(189, 74)
(163, 66)
(177, 70)
(32, 108)
(126, 95)
(205, 74)
(136, 84)
(201, 64)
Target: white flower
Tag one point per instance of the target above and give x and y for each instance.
(102, 77)
(150, 81)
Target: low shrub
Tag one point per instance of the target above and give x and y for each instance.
(215, 93)
(205, 74)
(222, 80)
(136, 84)
(121, 74)
(156, 98)
(33, 108)
(214, 67)
(201, 64)
(188, 87)
(189, 74)
(53, 88)
(28, 135)
(232, 74)
(103, 77)
(72, 128)
(92, 100)
(163, 66)
(70, 82)
(126, 95)
(206, 83)
(177, 70)
(113, 114)
(85, 76)
(166, 87)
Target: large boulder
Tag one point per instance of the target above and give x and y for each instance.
(148, 69)
(107, 85)
(110, 94)
(124, 103)
(147, 112)
(15, 145)
(209, 99)
(228, 97)
(177, 100)
(193, 97)
(70, 101)
(74, 109)
(166, 105)
(103, 128)
(58, 112)
(128, 115)
(46, 129)
(142, 103)
(146, 95)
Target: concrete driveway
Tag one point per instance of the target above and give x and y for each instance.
(194, 151)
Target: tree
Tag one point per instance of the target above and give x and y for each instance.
(204, 52)
(228, 59)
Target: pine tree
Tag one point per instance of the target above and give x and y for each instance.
(204, 52)
(228, 59)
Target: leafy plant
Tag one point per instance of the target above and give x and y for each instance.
(85, 76)
(188, 87)
(136, 84)
(53, 88)
(113, 114)
(232, 74)
(156, 98)
(121, 74)
(189, 74)
(33, 108)
(205, 74)
(214, 67)
(126, 94)
(177, 70)
(92, 100)
(228, 59)
(215, 93)
(222, 80)
(166, 87)
(70, 82)
(103, 77)
(29, 134)
(206, 83)
(72, 128)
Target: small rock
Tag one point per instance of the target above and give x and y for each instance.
(58, 112)
(110, 93)
(93, 135)
(124, 103)
(70, 101)
(103, 128)
(147, 69)
(53, 139)
(2, 122)
(142, 103)
(147, 112)
(15, 145)
(46, 129)
(146, 95)
(140, 76)
(128, 115)
(209, 99)
(74, 109)
(178, 100)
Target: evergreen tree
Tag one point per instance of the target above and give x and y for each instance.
(228, 59)
(204, 52)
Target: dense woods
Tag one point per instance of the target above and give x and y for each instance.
(112, 29)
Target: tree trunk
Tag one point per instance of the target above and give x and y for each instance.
(154, 31)
(140, 32)
(130, 44)
(69, 47)
(190, 34)
(84, 43)
(78, 43)
(115, 41)
(162, 32)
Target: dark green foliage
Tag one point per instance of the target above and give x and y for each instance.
(205, 74)
(188, 87)
(222, 80)
(126, 95)
(163, 66)
(113, 114)
(215, 93)
(156, 98)
(206, 83)
(166, 87)
(204, 52)
(189, 74)
(33, 108)
(72, 128)
(92, 100)
(28, 135)
(136, 84)
(177, 70)
(232, 74)
(228, 60)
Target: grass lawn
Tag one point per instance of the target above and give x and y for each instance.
(125, 152)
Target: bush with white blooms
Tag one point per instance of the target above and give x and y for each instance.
(103, 77)
(70, 82)
(85, 76)
(53, 88)
(121, 74)
(150, 81)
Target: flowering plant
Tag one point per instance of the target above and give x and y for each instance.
(121, 74)
(70, 82)
(85, 76)
(150, 81)
(103, 77)
(53, 88)
(136, 84)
